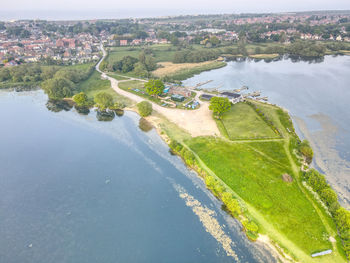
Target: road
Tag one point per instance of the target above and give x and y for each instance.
(197, 122)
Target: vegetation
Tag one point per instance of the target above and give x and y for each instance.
(242, 122)
(219, 106)
(154, 87)
(94, 84)
(144, 108)
(188, 72)
(340, 215)
(81, 99)
(195, 56)
(306, 150)
(58, 88)
(103, 100)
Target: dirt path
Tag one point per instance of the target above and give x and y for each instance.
(197, 122)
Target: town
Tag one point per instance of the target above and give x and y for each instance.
(71, 42)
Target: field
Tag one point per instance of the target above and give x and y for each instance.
(183, 71)
(161, 52)
(252, 169)
(242, 122)
(94, 84)
(257, 178)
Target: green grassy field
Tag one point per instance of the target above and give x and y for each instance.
(256, 176)
(94, 84)
(242, 122)
(161, 52)
(253, 170)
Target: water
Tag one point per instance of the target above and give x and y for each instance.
(317, 96)
(73, 189)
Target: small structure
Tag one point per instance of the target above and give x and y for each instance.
(179, 91)
(177, 97)
(233, 97)
(322, 253)
(123, 42)
(206, 96)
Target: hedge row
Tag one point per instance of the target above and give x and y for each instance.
(265, 118)
(340, 215)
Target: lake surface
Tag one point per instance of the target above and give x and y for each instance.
(318, 98)
(73, 189)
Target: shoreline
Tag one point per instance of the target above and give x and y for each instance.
(156, 123)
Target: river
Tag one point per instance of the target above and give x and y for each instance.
(317, 95)
(74, 189)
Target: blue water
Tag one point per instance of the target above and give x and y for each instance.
(305, 89)
(73, 189)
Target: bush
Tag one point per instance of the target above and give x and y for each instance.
(80, 99)
(103, 100)
(144, 108)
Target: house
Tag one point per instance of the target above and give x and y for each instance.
(177, 97)
(206, 96)
(123, 42)
(179, 91)
(233, 97)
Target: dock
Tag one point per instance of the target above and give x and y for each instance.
(202, 83)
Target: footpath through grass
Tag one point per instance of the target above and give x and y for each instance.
(242, 122)
(94, 84)
(253, 170)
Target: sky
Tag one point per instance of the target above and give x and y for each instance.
(91, 9)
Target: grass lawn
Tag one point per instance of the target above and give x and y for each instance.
(242, 122)
(256, 176)
(116, 76)
(136, 84)
(161, 52)
(94, 84)
(253, 170)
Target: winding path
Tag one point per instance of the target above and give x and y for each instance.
(197, 122)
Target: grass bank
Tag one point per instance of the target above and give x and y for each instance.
(94, 84)
(183, 71)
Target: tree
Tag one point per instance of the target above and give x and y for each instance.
(214, 41)
(4, 74)
(103, 100)
(306, 150)
(154, 87)
(58, 88)
(80, 99)
(144, 108)
(219, 106)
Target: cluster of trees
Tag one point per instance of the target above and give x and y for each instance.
(154, 87)
(232, 206)
(185, 153)
(219, 106)
(306, 49)
(27, 73)
(195, 56)
(144, 108)
(141, 67)
(340, 215)
(63, 83)
(126, 64)
(18, 31)
(306, 150)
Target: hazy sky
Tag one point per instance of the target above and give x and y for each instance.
(62, 9)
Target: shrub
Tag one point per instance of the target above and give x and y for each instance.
(103, 100)
(144, 108)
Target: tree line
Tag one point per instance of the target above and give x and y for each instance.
(340, 215)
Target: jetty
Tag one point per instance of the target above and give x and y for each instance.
(202, 83)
